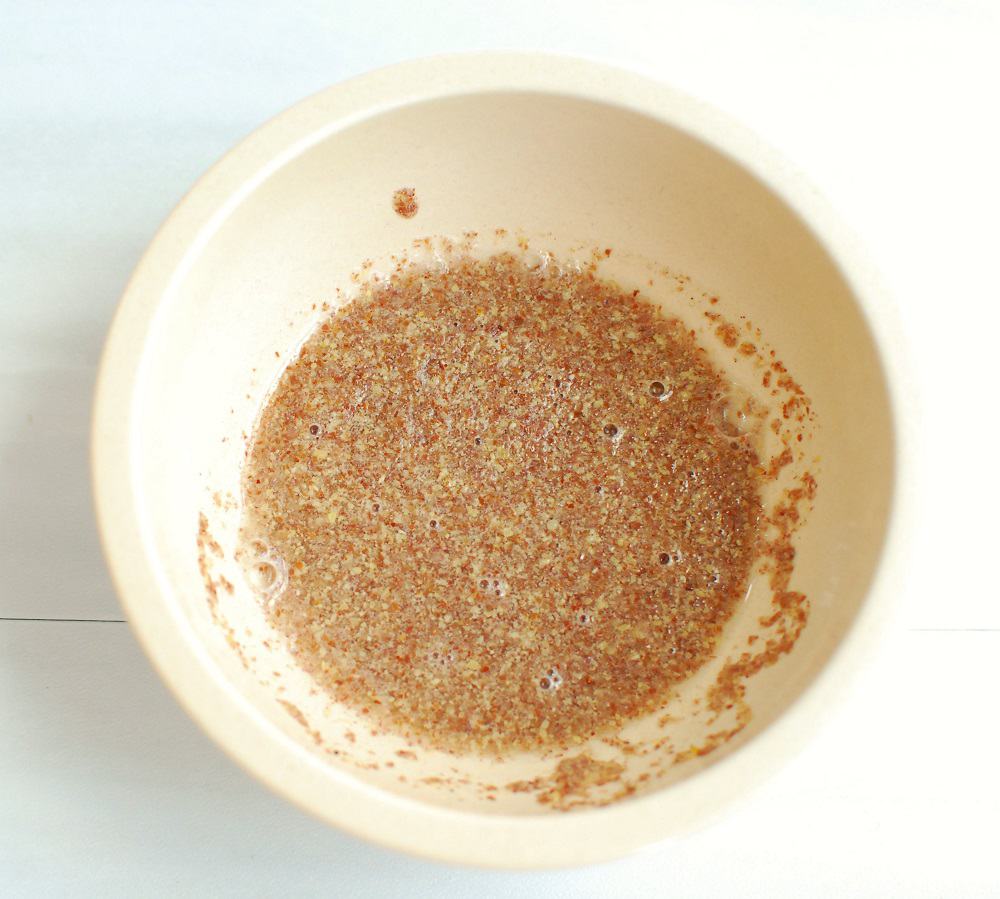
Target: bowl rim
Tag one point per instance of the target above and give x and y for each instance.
(489, 840)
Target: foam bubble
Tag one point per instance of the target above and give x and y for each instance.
(493, 585)
(263, 576)
(264, 569)
(731, 416)
(442, 658)
(551, 680)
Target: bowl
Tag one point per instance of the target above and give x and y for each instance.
(565, 154)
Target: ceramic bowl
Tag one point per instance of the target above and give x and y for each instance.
(569, 154)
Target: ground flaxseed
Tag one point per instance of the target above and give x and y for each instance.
(404, 202)
(500, 507)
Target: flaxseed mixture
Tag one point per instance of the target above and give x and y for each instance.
(404, 202)
(499, 507)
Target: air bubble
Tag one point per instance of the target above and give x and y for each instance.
(584, 618)
(443, 658)
(731, 414)
(495, 586)
(264, 574)
(657, 389)
(264, 570)
(314, 430)
(551, 680)
(536, 260)
(433, 524)
(266, 577)
(611, 430)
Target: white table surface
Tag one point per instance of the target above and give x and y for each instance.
(109, 110)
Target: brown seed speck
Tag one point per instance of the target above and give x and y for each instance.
(404, 202)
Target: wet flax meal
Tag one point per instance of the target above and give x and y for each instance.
(498, 507)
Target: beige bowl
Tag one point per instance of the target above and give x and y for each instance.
(554, 147)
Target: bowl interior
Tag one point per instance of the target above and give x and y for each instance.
(566, 171)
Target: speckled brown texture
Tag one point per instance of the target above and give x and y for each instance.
(404, 202)
(571, 782)
(512, 509)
